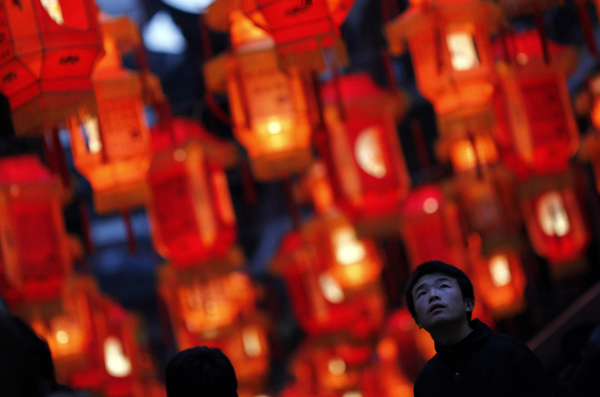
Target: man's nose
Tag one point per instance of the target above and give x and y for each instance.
(433, 295)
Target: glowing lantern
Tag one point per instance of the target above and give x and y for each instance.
(490, 202)
(500, 280)
(113, 150)
(535, 118)
(469, 153)
(330, 366)
(272, 111)
(33, 239)
(301, 29)
(555, 221)
(333, 278)
(431, 229)
(450, 50)
(190, 207)
(47, 52)
(201, 302)
(386, 378)
(366, 154)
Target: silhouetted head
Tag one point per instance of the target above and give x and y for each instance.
(201, 372)
(433, 267)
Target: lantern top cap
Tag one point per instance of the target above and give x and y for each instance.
(352, 87)
(23, 169)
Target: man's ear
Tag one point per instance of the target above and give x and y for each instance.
(470, 305)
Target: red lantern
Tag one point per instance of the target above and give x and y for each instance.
(450, 50)
(301, 30)
(34, 242)
(386, 378)
(113, 150)
(47, 52)
(555, 221)
(367, 159)
(332, 277)
(190, 206)
(431, 228)
(536, 123)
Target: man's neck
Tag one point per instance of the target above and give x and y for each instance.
(450, 334)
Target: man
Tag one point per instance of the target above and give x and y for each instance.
(201, 372)
(471, 359)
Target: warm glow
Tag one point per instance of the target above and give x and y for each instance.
(430, 205)
(117, 364)
(462, 51)
(179, 155)
(331, 289)
(348, 249)
(595, 113)
(337, 366)
(54, 10)
(552, 215)
(274, 128)
(369, 155)
(91, 131)
(251, 342)
(353, 393)
(466, 154)
(500, 271)
(62, 337)
(387, 350)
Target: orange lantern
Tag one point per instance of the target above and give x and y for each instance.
(273, 112)
(535, 119)
(555, 221)
(301, 30)
(368, 162)
(498, 276)
(113, 150)
(386, 378)
(190, 206)
(332, 277)
(450, 50)
(47, 52)
(431, 228)
(330, 366)
(489, 202)
(201, 302)
(468, 152)
(33, 239)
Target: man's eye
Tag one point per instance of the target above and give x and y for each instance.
(444, 286)
(420, 293)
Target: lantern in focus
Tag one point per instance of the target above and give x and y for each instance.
(301, 30)
(536, 124)
(555, 221)
(190, 206)
(450, 50)
(332, 277)
(47, 52)
(431, 228)
(33, 240)
(272, 111)
(113, 150)
(368, 163)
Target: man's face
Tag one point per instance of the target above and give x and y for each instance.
(438, 301)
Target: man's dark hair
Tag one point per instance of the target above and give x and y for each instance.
(431, 267)
(200, 372)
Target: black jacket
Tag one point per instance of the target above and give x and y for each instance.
(483, 364)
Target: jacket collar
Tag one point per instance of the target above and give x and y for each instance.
(481, 333)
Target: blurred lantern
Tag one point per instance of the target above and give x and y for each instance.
(365, 152)
(317, 187)
(330, 366)
(405, 345)
(200, 301)
(190, 206)
(33, 240)
(47, 52)
(332, 278)
(113, 150)
(489, 202)
(450, 50)
(272, 111)
(497, 273)
(555, 221)
(301, 29)
(535, 119)
(385, 378)
(468, 154)
(68, 327)
(431, 228)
